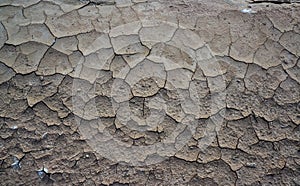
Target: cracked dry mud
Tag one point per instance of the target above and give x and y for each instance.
(157, 92)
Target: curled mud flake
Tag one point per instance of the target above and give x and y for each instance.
(66, 45)
(6, 73)
(291, 41)
(288, 60)
(294, 72)
(288, 92)
(68, 24)
(34, 32)
(54, 62)
(268, 54)
(172, 57)
(3, 35)
(156, 34)
(29, 57)
(92, 41)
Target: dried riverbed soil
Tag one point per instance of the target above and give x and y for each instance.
(157, 92)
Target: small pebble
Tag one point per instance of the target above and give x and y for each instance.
(248, 11)
(284, 126)
(16, 164)
(251, 165)
(44, 135)
(42, 172)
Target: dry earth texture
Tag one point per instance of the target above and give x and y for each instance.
(157, 92)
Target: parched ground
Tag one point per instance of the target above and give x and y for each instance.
(157, 92)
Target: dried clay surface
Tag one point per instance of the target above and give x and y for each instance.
(149, 92)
